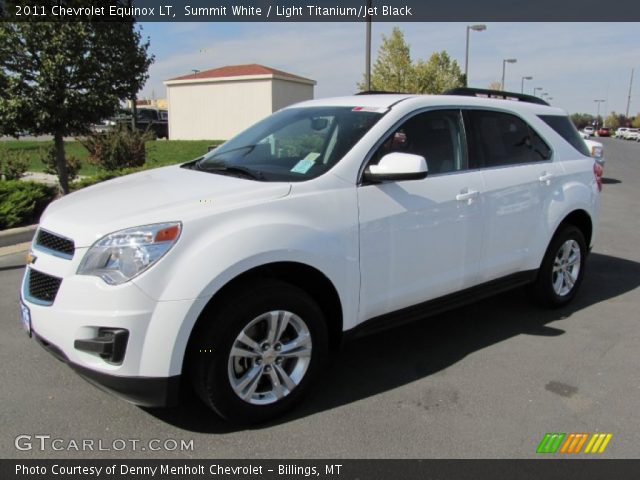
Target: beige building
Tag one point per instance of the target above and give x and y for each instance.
(219, 103)
(159, 103)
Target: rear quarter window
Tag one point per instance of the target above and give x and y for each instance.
(564, 127)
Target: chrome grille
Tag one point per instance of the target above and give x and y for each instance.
(57, 245)
(42, 288)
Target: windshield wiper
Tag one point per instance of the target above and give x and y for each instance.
(232, 170)
(215, 154)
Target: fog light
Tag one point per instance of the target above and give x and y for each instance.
(110, 344)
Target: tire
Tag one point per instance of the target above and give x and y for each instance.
(562, 268)
(245, 365)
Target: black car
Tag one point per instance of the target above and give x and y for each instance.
(156, 120)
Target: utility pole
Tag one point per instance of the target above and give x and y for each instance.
(629, 98)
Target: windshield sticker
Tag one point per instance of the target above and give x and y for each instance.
(304, 165)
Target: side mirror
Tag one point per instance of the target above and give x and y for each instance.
(397, 166)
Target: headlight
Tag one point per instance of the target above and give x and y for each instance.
(120, 256)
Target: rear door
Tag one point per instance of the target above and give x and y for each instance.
(518, 176)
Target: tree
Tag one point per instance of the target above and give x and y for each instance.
(60, 77)
(439, 74)
(613, 120)
(636, 122)
(394, 70)
(495, 85)
(581, 120)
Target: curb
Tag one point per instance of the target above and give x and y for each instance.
(13, 236)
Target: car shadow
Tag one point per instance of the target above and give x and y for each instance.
(610, 181)
(396, 357)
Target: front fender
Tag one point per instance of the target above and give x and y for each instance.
(214, 251)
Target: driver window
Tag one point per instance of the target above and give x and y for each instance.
(438, 136)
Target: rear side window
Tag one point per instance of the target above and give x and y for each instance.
(567, 130)
(504, 139)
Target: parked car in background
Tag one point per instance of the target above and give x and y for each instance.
(102, 126)
(604, 132)
(156, 120)
(590, 131)
(620, 132)
(631, 134)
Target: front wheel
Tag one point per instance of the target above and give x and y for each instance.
(562, 268)
(259, 352)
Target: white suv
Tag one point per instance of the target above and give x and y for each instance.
(620, 132)
(240, 271)
(631, 134)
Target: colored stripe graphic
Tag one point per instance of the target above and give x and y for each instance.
(574, 443)
(598, 443)
(551, 442)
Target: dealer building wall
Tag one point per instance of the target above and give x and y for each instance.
(218, 104)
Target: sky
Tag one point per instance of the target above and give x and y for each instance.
(575, 63)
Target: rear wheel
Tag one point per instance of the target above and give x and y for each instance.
(259, 352)
(562, 268)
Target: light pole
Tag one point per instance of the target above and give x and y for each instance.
(475, 28)
(598, 114)
(522, 86)
(629, 97)
(536, 89)
(367, 67)
(504, 67)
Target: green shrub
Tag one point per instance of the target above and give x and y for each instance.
(13, 165)
(117, 148)
(101, 177)
(22, 203)
(50, 165)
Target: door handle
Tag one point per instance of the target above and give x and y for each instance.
(545, 178)
(467, 195)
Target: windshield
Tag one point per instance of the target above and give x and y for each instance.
(292, 145)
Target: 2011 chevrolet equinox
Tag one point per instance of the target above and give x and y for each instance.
(240, 270)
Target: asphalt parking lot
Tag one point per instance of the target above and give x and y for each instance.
(485, 381)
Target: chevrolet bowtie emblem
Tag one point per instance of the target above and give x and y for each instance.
(31, 258)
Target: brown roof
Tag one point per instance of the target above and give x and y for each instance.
(239, 71)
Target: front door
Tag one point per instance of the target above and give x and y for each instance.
(420, 239)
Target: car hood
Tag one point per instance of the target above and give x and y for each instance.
(152, 196)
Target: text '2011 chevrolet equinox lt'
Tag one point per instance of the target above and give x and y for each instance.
(240, 271)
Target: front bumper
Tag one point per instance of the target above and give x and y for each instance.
(143, 391)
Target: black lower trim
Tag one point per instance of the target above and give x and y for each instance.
(442, 304)
(143, 391)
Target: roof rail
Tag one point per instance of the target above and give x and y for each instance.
(483, 93)
(382, 92)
